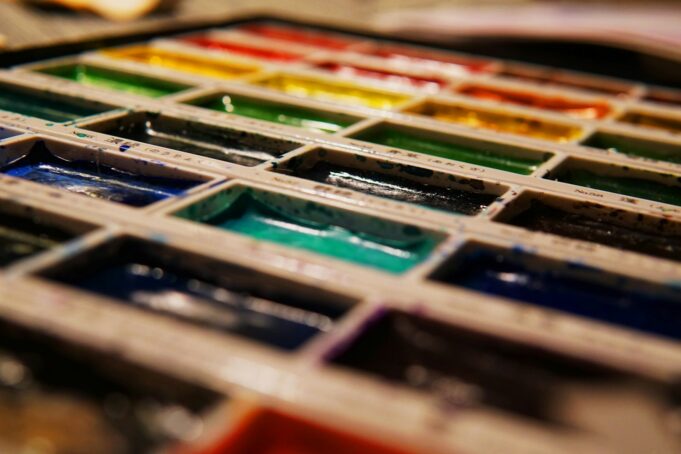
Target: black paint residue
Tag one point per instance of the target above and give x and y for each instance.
(240, 147)
(397, 188)
(468, 369)
(600, 228)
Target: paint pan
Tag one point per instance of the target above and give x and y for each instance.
(475, 117)
(79, 401)
(95, 76)
(467, 369)
(652, 121)
(302, 224)
(209, 293)
(96, 175)
(202, 139)
(415, 57)
(47, 106)
(333, 91)
(395, 181)
(237, 48)
(458, 148)
(588, 221)
(6, 133)
(658, 187)
(183, 62)
(391, 78)
(561, 79)
(566, 287)
(26, 231)
(635, 146)
(267, 431)
(298, 35)
(578, 109)
(276, 112)
(671, 98)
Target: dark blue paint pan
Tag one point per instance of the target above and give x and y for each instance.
(90, 173)
(575, 289)
(206, 292)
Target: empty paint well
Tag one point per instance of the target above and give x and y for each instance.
(389, 77)
(651, 121)
(267, 431)
(286, 114)
(25, 231)
(95, 175)
(183, 62)
(499, 122)
(45, 105)
(203, 291)
(302, 224)
(400, 182)
(214, 43)
(465, 368)
(110, 79)
(334, 91)
(487, 154)
(579, 109)
(658, 187)
(202, 139)
(572, 288)
(80, 401)
(635, 146)
(587, 221)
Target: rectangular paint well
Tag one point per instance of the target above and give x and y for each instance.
(95, 76)
(24, 236)
(669, 97)
(663, 188)
(374, 242)
(391, 78)
(426, 59)
(51, 107)
(635, 146)
(182, 62)
(658, 237)
(238, 48)
(203, 291)
(403, 183)
(567, 287)
(465, 369)
(81, 401)
(93, 179)
(202, 139)
(305, 36)
(334, 91)
(579, 109)
(556, 78)
(286, 114)
(267, 431)
(483, 154)
(498, 122)
(654, 122)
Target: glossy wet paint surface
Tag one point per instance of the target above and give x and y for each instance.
(55, 108)
(250, 214)
(397, 188)
(286, 114)
(581, 291)
(94, 180)
(420, 143)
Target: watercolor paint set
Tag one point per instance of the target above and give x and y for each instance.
(268, 237)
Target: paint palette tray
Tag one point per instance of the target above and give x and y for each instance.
(266, 237)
